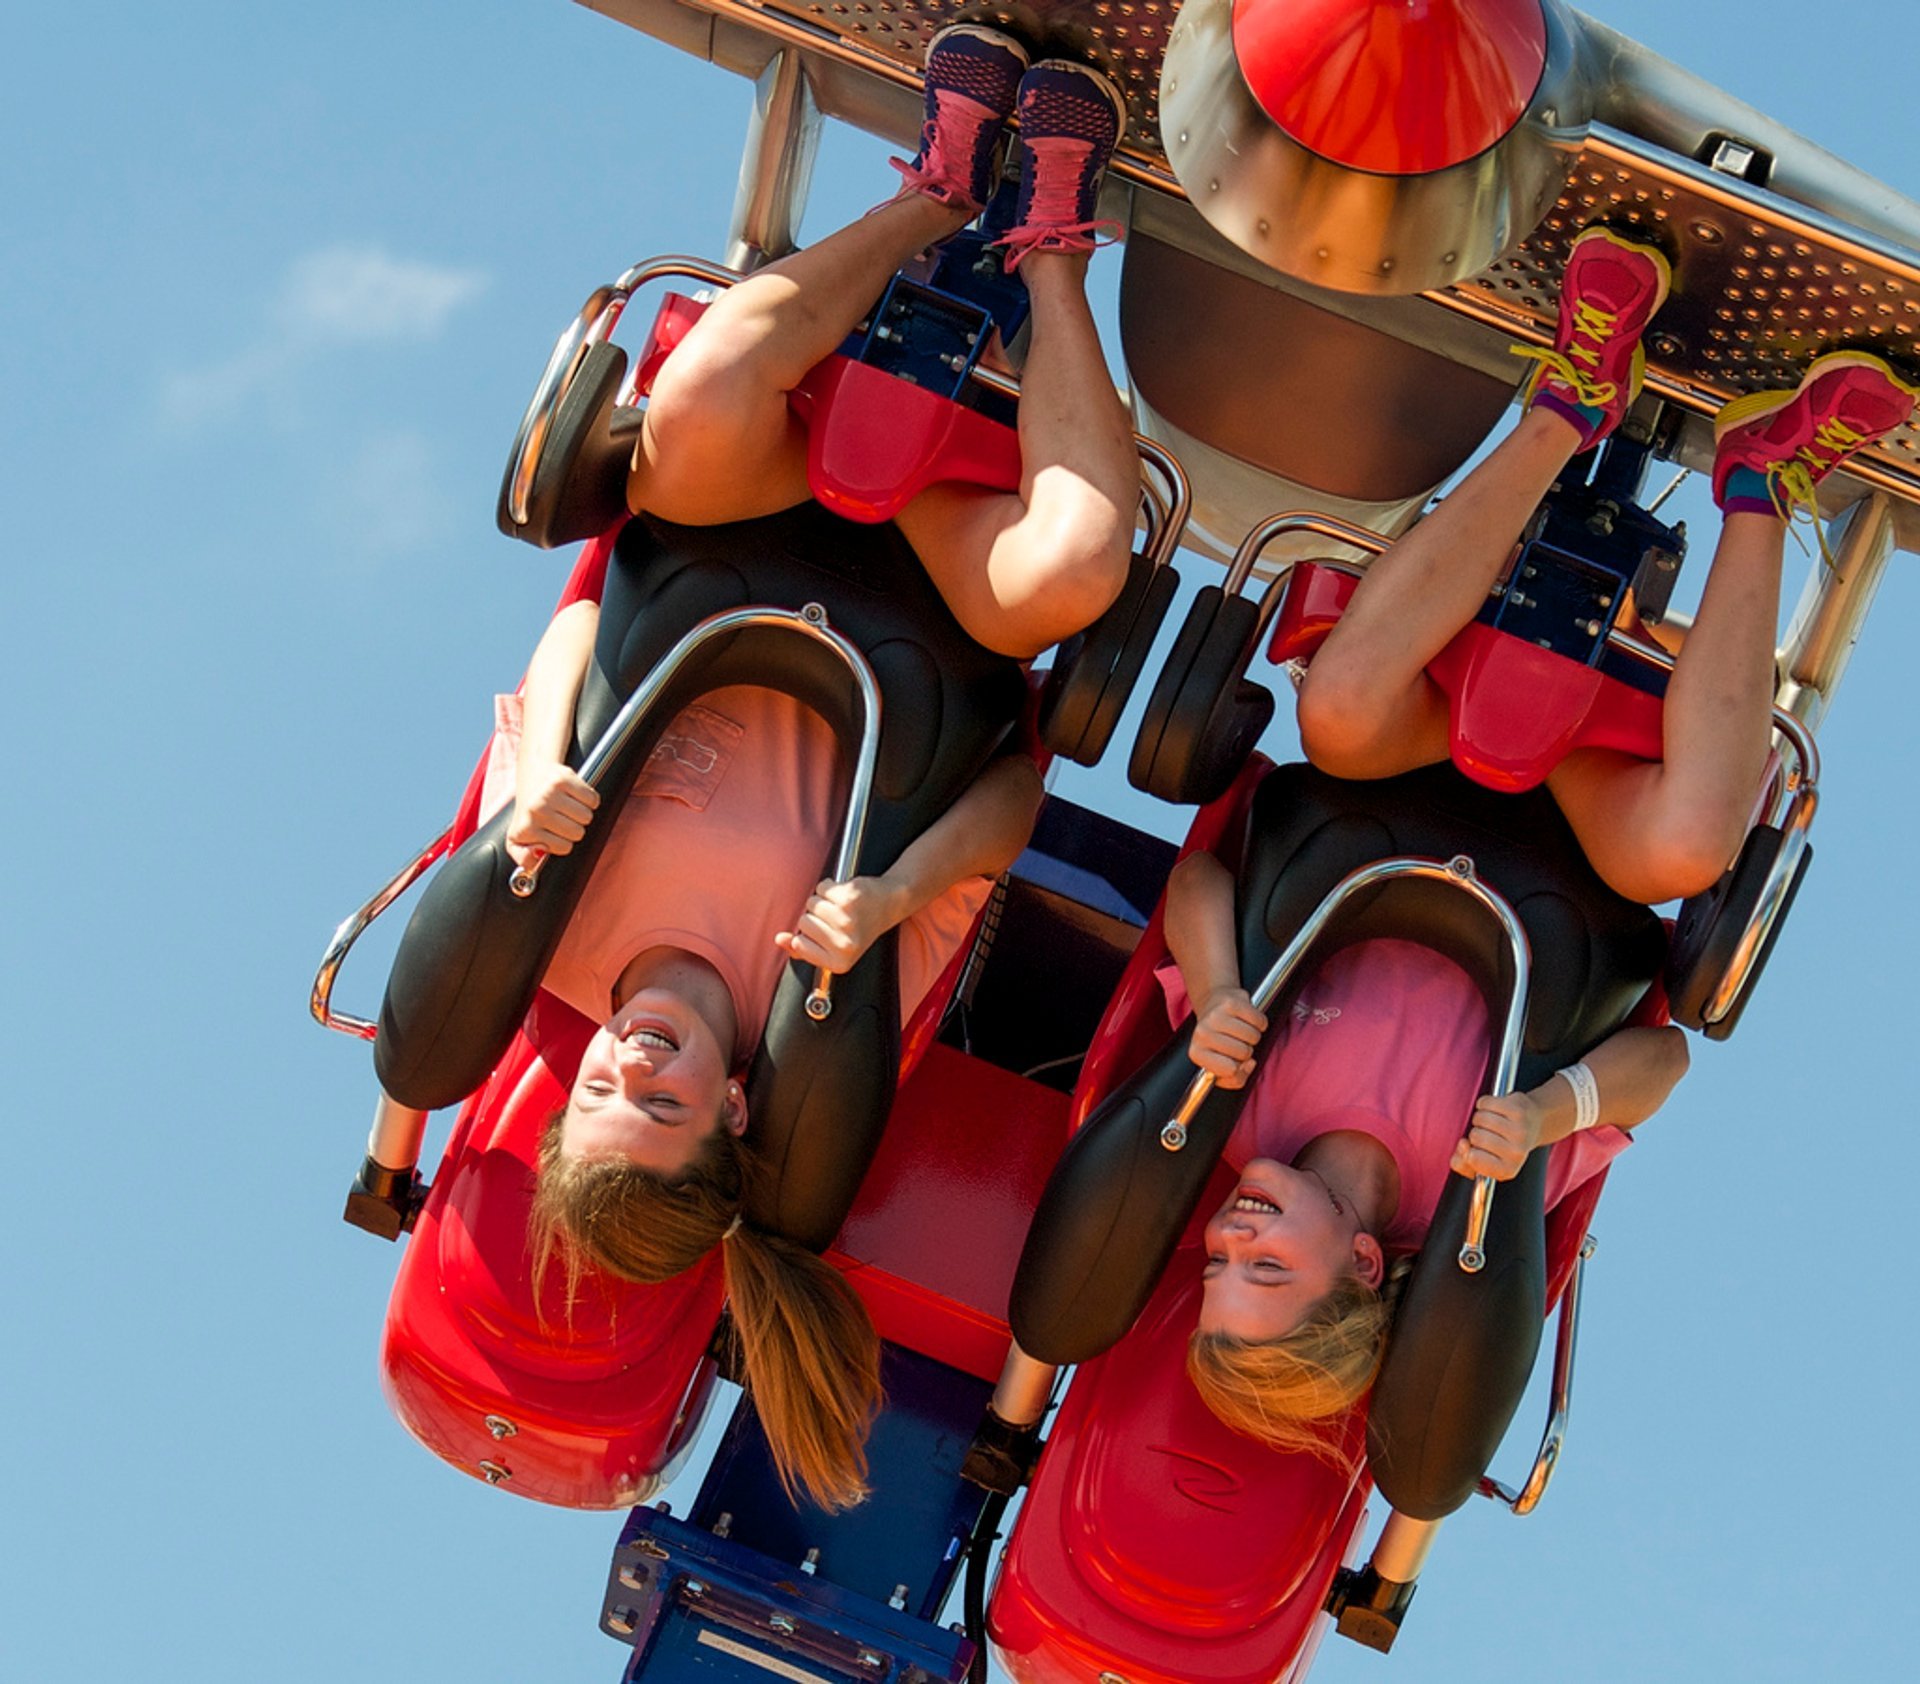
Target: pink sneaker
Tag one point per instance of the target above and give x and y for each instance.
(1773, 448)
(973, 79)
(1612, 288)
(1071, 119)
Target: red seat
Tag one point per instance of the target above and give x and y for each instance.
(1515, 710)
(874, 441)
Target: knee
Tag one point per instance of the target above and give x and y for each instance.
(1681, 858)
(1336, 718)
(1080, 561)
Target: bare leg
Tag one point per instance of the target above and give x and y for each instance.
(1367, 707)
(1022, 572)
(719, 442)
(1661, 829)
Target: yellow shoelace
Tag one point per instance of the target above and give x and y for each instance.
(1592, 328)
(1791, 483)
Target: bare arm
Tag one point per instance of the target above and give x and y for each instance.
(1200, 934)
(980, 835)
(1634, 1070)
(552, 804)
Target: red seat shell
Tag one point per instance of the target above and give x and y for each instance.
(601, 1394)
(1515, 710)
(1157, 1544)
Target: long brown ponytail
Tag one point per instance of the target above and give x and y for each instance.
(811, 1354)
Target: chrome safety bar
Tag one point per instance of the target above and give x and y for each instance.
(1458, 873)
(320, 1001)
(810, 621)
(1560, 1403)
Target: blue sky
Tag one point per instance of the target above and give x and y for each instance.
(276, 285)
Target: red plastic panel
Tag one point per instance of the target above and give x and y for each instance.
(932, 1243)
(600, 1395)
(1515, 710)
(1396, 87)
(1518, 710)
(875, 441)
(676, 316)
(1312, 600)
(1156, 1544)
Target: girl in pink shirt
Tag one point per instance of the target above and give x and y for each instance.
(705, 890)
(1366, 1101)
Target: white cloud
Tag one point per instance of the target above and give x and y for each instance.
(360, 295)
(337, 296)
(388, 499)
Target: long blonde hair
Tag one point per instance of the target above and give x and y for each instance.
(1291, 1393)
(812, 1357)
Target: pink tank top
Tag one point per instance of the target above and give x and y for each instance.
(715, 850)
(1390, 1040)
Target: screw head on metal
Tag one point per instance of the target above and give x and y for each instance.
(819, 1006)
(1461, 865)
(814, 613)
(495, 1473)
(1173, 1137)
(500, 1426)
(1472, 1259)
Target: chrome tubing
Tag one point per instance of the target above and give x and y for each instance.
(592, 326)
(320, 1000)
(810, 621)
(776, 169)
(1459, 873)
(1024, 1388)
(1403, 1547)
(1560, 1403)
(394, 1140)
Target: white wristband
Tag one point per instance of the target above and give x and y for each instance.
(1586, 1096)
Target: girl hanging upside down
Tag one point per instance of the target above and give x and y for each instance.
(1355, 1117)
(705, 890)
(1654, 830)
(1020, 570)
(702, 894)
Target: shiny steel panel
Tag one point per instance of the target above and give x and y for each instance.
(1352, 230)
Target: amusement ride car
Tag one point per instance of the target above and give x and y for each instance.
(1340, 215)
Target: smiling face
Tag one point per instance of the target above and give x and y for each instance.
(1276, 1248)
(653, 1086)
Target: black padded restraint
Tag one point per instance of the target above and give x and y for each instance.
(472, 956)
(1118, 1202)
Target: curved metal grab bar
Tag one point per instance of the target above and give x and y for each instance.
(1459, 873)
(320, 1000)
(1560, 1404)
(810, 621)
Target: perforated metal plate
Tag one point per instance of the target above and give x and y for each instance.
(1126, 38)
(1760, 286)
